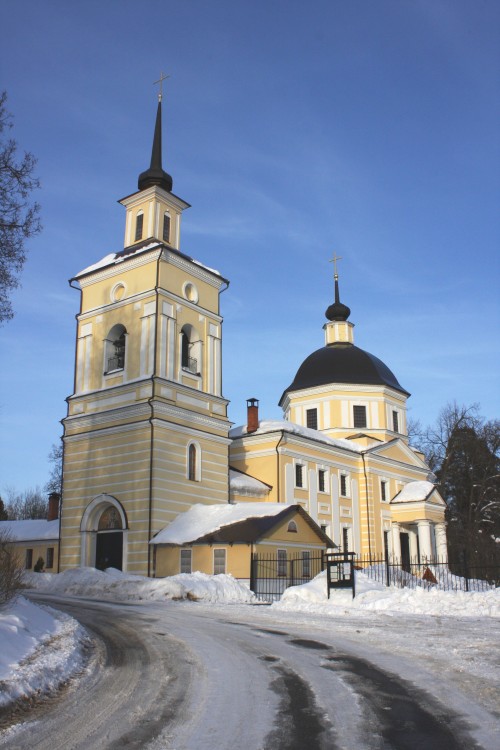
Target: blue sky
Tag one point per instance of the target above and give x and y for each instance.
(295, 130)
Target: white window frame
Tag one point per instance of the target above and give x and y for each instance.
(347, 484)
(304, 485)
(281, 563)
(365, 407)
(326, 480)
(384, 484)
(217, 565)
(182, 564)
(197, 468)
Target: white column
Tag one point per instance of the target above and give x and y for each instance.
(424, 539)
(355, 517)
(396, 540)
(441, 546)
(334, 489)
(412, 535)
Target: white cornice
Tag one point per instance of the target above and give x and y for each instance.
(154, 192)
(191, 305)
(195, 269)
(192, 431)
(185, 414)
(115, 268)
(347, 387)
(92, 312)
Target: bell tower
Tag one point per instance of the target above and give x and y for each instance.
(145, 436)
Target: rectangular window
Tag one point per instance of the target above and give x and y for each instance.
(395, 421)
(345, 539)
(186, 560)
(138, 227)
(299, 475)
(322, 480)
(383, 490)
(29, 559)
(282, 562)
(166, 228)
(359, 414)
(343, 485)
(306, 564)
(219, 561)
(312, 418)
(50, 557)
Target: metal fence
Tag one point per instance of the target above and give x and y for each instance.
(435, 573)
(272, 574)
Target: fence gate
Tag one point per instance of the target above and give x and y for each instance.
(272, 574)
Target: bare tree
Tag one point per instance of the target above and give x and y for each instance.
(55, 459)
(30, 504)
(11, 571)
(19, 216)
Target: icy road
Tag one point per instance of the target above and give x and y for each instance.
(187, 676)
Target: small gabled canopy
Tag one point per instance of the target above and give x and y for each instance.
(244, 484)
(418, 492)
(231, 524)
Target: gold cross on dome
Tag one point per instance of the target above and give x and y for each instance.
(162, 78)
(334, 261)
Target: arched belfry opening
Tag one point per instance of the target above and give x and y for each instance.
(104, 534)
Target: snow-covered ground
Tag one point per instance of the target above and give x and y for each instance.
(42, 648)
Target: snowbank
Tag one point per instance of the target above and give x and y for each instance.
(41, 648)
(118, 586)
(371, 595)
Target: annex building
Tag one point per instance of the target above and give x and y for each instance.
(156, 481)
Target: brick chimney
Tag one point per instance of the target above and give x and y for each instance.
(53, 511)
(252, 415)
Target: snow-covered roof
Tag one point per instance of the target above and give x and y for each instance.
(245, 484)
(115, 258)
(201, 520)
(414, 491)
(295, 429)
(26, 531)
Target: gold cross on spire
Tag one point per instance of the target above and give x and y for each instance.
(334, 261)
(162, 78)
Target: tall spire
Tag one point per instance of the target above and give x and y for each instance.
(155, 174)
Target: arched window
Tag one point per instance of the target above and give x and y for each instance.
(190, 350)
(193, 462)
(115, 349)
(138, 226)
(166, 227)
(292, 526)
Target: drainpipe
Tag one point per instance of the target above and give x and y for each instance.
(278, 463)
(150, 402)
(367, 507)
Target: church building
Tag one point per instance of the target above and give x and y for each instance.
(147, 435)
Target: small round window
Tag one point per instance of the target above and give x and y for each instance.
(190, 292)
(118, 292)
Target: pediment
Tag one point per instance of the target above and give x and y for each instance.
(398, 450)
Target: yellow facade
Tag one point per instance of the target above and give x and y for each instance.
(146, 434)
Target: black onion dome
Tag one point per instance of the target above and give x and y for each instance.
(155, 175)
(342, 363)
(337, 311)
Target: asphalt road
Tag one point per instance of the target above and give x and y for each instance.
(188, 678)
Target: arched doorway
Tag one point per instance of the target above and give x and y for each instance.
(104, 530)
(109, 542)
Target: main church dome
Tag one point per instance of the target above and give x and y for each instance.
(340, 361)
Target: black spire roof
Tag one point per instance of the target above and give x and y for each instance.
(155, 174)
(337, 311)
